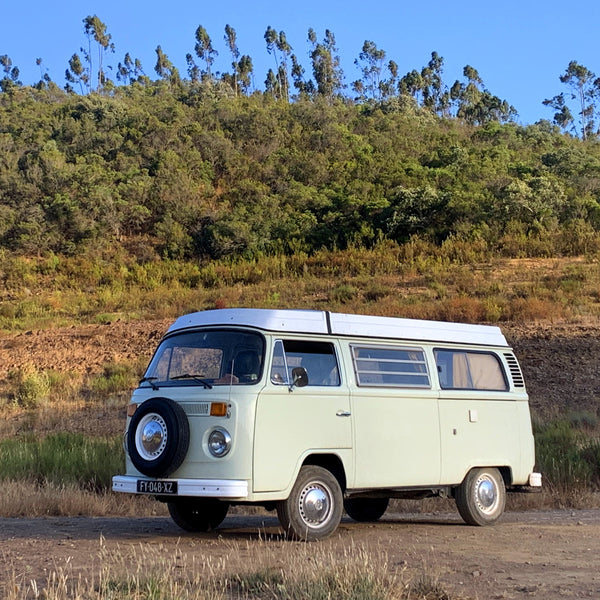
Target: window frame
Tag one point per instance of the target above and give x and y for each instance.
(233, 350)
(467, 351)
(426, 374)
(281, 342)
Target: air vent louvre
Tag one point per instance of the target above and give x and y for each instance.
(196, 408)
(515, 370)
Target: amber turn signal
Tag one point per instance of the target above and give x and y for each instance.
(218, 409)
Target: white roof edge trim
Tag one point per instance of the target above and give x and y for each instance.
(347, 325)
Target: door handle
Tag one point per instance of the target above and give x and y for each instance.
(343, 413)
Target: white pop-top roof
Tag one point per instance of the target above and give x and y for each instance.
(314, 321)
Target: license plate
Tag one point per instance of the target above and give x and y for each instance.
(145, 486)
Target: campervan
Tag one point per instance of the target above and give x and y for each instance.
(311, 413)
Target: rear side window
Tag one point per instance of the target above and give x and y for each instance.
(464, 370)
(390, 367)
(318, 358)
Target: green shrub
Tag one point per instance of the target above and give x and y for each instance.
(33, 388)
(115, 378)
(62, 458)
(567, 457)
(343, 293)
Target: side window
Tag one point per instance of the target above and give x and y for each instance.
(465, 370)
(318, 358)
(388, 366)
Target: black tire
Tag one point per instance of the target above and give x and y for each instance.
(481, 497)
(162, 455)
(314, 507)
(364, 510)
(198, 514)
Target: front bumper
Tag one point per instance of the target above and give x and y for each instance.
(210, 488)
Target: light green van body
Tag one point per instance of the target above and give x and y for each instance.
(377, 438)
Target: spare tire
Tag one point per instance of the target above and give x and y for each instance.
(158, 437)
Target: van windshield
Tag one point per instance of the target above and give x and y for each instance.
(207, 358)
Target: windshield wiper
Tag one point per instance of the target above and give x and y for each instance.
(150, 380)
(197, 378)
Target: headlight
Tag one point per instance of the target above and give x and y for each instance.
(219, 442)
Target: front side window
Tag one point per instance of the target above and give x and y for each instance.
(465, 370)
(215, 357)
(317, 358)
(387, 366)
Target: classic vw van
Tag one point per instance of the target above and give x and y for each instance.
(311, 413)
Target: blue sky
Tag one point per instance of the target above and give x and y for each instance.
(519, 48)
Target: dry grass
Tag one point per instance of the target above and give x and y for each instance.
(31, 499)
(422, 282)
(240, 571)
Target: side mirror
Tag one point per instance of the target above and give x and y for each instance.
(299, 377)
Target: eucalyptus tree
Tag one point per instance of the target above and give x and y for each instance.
(305, 88)
(411, 85)
(371, 63)
(277, 42)
(241, 65)
(76, 74)
(205, 51)
(95, 30)
(326, 65)
(585, 88)
(129, 70)
(10, 80)
(433, 85)
(44, 75)
(389, 87)
(475, 104)
(245, 72)
(230, 38)
(164, 67)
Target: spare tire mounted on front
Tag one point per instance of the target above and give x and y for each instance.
(158, 437)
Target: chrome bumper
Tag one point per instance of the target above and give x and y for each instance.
(211, 488)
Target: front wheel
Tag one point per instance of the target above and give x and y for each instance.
(313, 509)
(198, 514)
(481, 497)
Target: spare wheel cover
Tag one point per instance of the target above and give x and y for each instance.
(158, 437)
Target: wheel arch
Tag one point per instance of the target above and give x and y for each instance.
(505, 471)
(332, 462)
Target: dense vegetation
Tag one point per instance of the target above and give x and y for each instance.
(189, 172)
(207, 167)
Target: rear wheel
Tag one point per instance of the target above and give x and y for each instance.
(481, 497)
(366, 509)
(198, 514)
(313, 509)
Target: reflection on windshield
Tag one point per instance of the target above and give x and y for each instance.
(207, 358)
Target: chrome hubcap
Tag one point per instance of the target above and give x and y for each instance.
(315, 504)
(486, 494)
(151, 437)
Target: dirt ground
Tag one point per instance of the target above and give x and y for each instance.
(535, 554)
(541, 554)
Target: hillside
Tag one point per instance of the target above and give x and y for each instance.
(173, 171)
